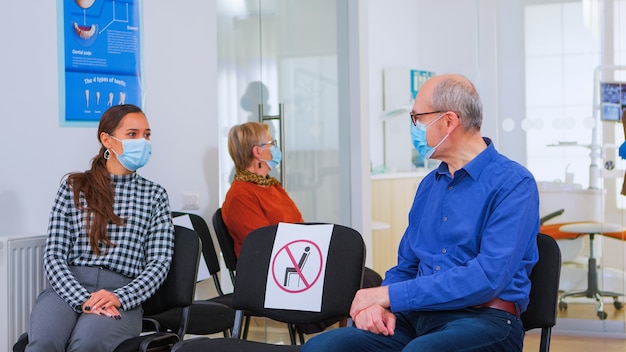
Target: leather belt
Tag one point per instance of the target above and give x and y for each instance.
(501, 304)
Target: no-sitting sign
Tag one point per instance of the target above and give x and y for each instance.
(296, 276)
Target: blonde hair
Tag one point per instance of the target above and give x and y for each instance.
(241, 139)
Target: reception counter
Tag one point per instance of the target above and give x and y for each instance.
(392, 197)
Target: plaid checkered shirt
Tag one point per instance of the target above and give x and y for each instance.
(143, 246)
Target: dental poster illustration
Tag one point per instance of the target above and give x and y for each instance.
(100, 57)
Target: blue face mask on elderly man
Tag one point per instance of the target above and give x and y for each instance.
(418, 136)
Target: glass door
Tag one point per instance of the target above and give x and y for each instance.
(572, 49)
(278, 62)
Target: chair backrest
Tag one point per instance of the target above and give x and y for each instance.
(209, 252)
(542, 308)
(179, 287)
(227, 244)
(343, 274)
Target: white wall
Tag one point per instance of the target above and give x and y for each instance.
(179, 52)
(481, 39)
(392, 43)
(444, 36)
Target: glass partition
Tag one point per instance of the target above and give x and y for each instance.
(571, 48)
(278, 62)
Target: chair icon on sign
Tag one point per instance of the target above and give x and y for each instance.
(292, 270)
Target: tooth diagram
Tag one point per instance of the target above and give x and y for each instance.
(84, 4)
(122, 98)
(110, 102)
(85, 32)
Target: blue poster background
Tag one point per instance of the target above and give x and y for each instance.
(101, 57)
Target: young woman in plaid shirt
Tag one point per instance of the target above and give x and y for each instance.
(110, 244)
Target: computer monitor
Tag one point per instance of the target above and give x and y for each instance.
(612, 101)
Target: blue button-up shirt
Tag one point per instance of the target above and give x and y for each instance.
(470, 238)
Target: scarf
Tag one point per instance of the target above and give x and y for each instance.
(247, 176)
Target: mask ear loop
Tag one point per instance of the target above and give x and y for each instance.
(444, 138)
(448, 134)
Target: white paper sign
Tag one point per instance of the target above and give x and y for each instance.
(203, 270)
(295, 279)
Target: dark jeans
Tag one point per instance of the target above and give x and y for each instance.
(471, 329)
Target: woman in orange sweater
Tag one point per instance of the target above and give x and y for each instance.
(255, 199)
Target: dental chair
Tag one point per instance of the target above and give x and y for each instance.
(574, 231)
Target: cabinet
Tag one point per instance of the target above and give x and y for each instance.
(392, 197)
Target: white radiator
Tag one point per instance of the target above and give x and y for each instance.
(21, 279)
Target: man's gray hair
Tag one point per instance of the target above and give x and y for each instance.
(458, 94)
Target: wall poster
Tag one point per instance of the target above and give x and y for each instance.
(99, 58)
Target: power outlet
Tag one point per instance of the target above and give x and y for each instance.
(191, 201)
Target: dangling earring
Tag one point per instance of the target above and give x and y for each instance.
(107, 154)
(259, 164)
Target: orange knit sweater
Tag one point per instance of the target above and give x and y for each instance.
(249, 206)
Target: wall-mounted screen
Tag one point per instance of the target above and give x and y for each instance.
(612, 100)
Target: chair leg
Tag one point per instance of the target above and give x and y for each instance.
(292, 333)
(600, 307)
(544, 345)
(246, 327)
(301, 336)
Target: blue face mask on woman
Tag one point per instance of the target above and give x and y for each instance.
(277, 156)
(136, 153)
(418, 136)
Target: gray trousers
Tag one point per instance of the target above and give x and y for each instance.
(55, 326)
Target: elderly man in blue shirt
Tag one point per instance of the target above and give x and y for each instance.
(462, 278)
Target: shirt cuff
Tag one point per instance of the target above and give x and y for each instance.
(398, 297)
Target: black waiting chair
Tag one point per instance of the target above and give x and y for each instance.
(177, 292)
(227, 244)
(544, 292)
(209, 250)
(207, 316)
(258, 260)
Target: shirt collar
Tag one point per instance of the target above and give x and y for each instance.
(476, 165)
(123, 178)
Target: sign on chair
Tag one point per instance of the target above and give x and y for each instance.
(295, 279)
